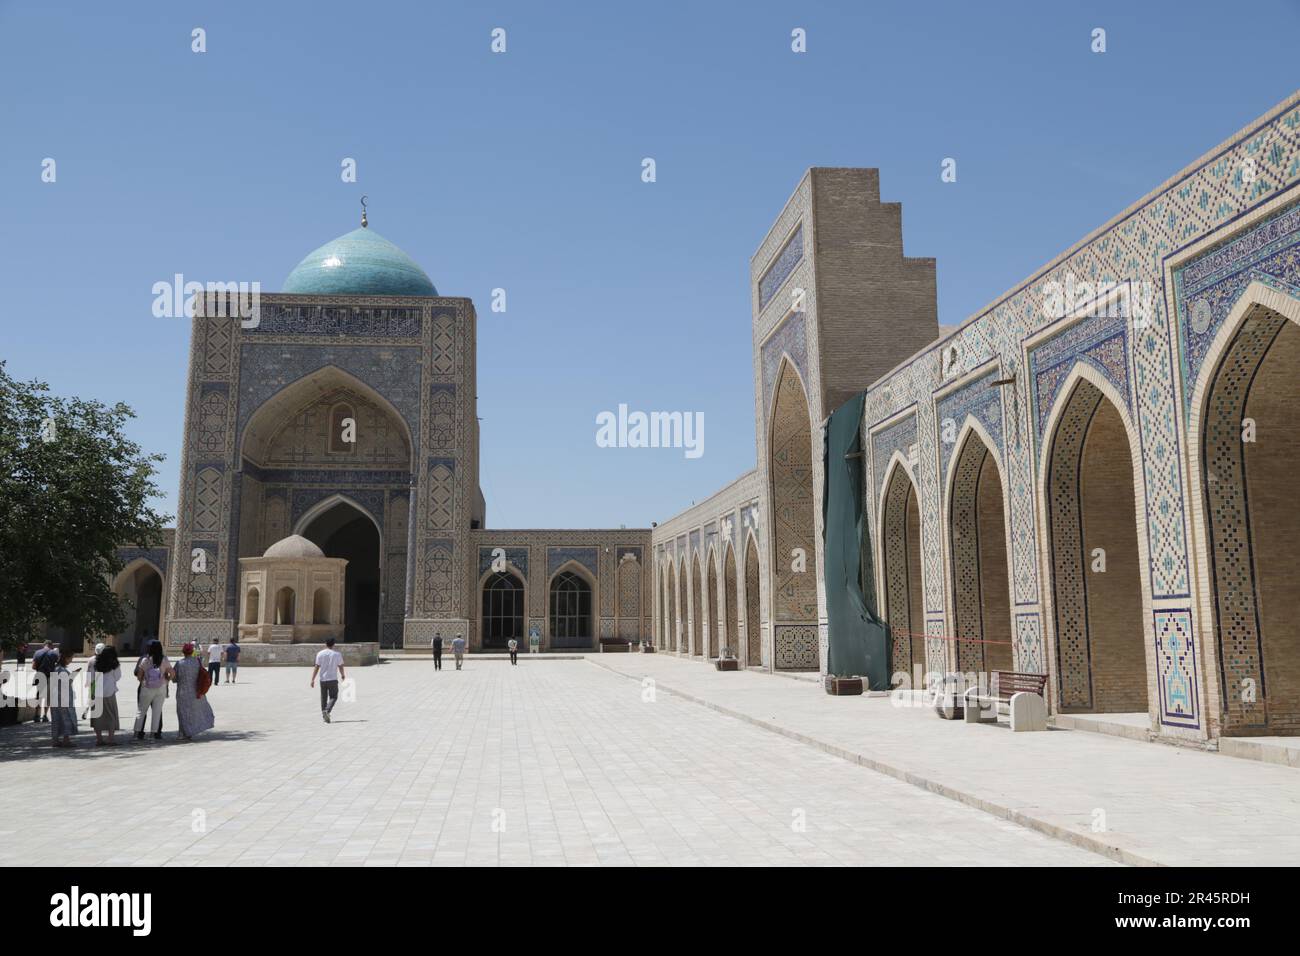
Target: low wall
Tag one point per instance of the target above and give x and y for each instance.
(360, 654)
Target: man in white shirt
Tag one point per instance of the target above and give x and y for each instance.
(214, 662)
(329, 665)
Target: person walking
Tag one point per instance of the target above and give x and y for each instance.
(214, 662)
(104, 672)
(153, 671)
(437, 651)
(329, 665)
(44, 663)
(232, 659)
(458, 649)
(193, 712)
(63, 709)
(514, 650)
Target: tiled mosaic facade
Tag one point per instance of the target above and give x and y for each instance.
(259, 463)
(1160, 296)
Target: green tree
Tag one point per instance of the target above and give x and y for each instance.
(73, 488)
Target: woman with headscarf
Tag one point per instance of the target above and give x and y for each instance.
(63, 709)
(193, 711)
(102, 676)
(153, 672)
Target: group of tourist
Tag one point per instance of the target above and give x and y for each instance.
(154, 672)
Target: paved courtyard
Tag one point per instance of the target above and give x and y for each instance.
(550, 762)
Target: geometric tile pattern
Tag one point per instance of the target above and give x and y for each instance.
(1232, 555)
(789, 341)
(795, 599)
(1065, 537)
(1176, 662)
(781, 267)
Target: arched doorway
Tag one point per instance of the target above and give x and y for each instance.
(681, 584)
(674, 626)
(1249, 462)
(977, 534)
(753, 627)
(713, 612)
(570, 611)
(697, 607)
(904, 610)
(503, 609)
(285, 606)
(329, 426)
(1096, 575)
(342, 530)
(731, 610)
(140, 587)
(793, 566)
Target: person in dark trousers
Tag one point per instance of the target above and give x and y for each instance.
(329, 664)
(514, 651)
(232, 659)
(215, 653)
(44, 662)
(437, 651)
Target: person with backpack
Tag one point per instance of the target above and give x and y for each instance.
(193, 712)
(44, 663)
(153, 672)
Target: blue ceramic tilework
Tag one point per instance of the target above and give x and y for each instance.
(790, 338)
(587, 557)
(516, 556)
(158, 557)
(898, 437)
(789, 257)
(1176, 657)
(337, 320)
(303, 499)
(392, 370)
(1207, 288)
(978, 398)
(332, 476)
(1100, 342)
(360, 262)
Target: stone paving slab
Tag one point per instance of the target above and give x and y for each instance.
(557, 763)
(1160, 805)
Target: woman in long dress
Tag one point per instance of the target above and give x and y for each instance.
(104, 672)
(193, 712)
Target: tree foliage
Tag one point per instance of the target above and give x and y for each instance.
(73, 488)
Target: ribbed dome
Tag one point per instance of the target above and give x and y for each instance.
(359, 263)
(294, 546)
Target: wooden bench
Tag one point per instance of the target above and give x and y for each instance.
(1022, 694)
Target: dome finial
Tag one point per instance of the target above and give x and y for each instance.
(364, 224)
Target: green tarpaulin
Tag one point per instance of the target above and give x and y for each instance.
(858, 638)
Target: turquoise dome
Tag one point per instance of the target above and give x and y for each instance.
(359, 263)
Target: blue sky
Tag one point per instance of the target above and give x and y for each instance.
(522, 171)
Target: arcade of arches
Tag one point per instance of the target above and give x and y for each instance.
(1080, 494)
(1162, 453)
